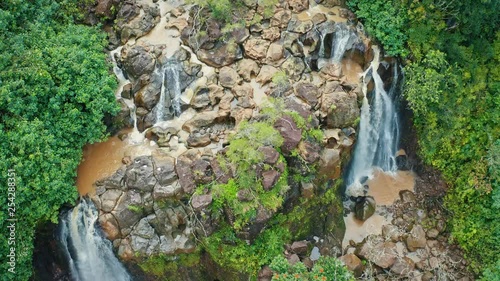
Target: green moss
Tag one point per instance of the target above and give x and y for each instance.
(135, 209)
(166, 267)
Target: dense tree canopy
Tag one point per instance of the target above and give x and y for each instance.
(452, 53)
(55, 89)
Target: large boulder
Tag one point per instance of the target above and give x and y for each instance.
(149, 95)
(144, 239)
(271, 34)
(293, 67)
(299, 26)
(298, 6)
(247, 69)
(364, 207)
(162, 192)
(200, 120)
(290, 132)
(269, 179)
(353, 263)
(271, 155)
(275, 52)
(332, 3)
(137, 61)
(308, 92)
(109, 199)
(221, 55)
(128, 212)
(183, 169)
(403, 266)
(266, 74)
(134, 21)
(140, 174)
(109, 226)
(256, 48)
(339, 108)
(330, 163)
(416, 239)
(309, 151)
(103, 8)
(281, 18)
(199, 202)
(228, 77)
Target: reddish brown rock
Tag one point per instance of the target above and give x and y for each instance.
(269, 179)
(271, 155)
(307, 92)
(416, 239)
(201, 201)
(110, 226)
(353, 263)
(290, 132)
(299, 247)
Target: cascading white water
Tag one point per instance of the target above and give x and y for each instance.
(89, 254)
(170, 91)
(378, 138)
(136, 136)
(321, 53)
(343, 39)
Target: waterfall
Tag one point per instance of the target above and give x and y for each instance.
(90, 255)
(170, 91)
(342, 40)
(321, 45)
(378, 137)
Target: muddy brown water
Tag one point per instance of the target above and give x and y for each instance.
(100, 160)
(385, 188)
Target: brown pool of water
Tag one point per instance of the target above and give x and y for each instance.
(100, 160)
(351, 70)
(385, 188)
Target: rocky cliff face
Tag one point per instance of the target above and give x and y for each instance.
(291, 73)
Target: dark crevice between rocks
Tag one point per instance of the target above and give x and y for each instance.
(49, 261)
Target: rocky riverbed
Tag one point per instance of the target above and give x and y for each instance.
(302, 63)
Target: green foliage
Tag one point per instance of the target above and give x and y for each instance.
(227, 250)
(325, 269)
(491, 273)
(427, 81)
(280, 78)
(231, 252)
(386, 21)
(55, 89)
(166, 265)
(226, 10)
(251, 136)
(452, 85)
(457, 119)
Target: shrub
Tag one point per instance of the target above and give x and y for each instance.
(326, 268)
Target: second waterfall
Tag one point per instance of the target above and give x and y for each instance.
(170, 92)
(379, 129)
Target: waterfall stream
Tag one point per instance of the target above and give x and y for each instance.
(342, 40)
(89, 254)
(170, 92)
(378, 137)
